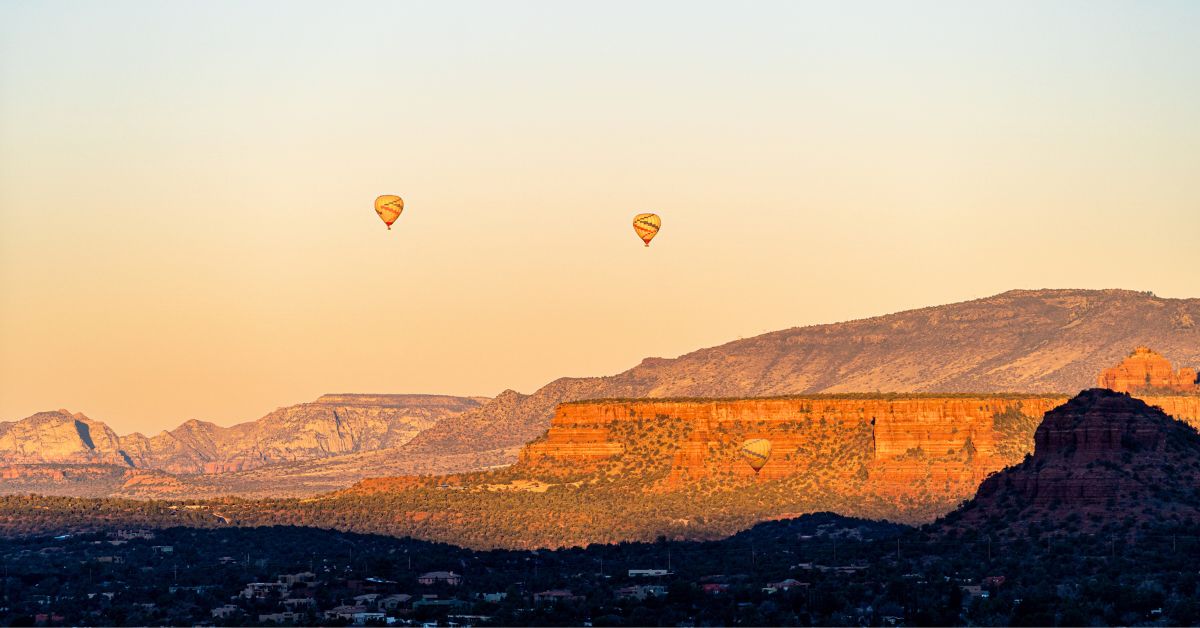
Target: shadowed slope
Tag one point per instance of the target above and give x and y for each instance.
(1099, 458)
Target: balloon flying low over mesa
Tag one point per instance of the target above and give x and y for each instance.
(389, 207)
(756, 451)
(646, 226)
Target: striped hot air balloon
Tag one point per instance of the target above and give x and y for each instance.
(389, 207)
(756, 451)
(646, 226)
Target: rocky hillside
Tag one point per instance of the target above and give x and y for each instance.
(1101, 457)
(332, 425)
(1037, 341)
(59, 436)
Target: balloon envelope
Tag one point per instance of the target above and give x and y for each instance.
(389, 207)
(756, 451)
(646, 226)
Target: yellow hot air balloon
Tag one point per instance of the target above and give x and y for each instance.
(756, 451)
(646, 226)
(389, 208)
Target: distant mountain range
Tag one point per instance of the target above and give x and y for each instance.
(1028, 341)
(332, 425)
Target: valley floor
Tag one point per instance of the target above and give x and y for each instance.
(815, 570)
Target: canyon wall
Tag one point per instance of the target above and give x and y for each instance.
(894, 443)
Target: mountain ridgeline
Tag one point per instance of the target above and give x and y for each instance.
(330, 426)
(1028, 341)
(1045, 341)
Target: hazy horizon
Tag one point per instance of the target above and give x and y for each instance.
(186, 219)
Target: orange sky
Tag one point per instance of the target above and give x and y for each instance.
(186, 222)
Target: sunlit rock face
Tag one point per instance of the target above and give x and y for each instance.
(59, 436)
(333, 425)
(1145, 370)
(898, 445)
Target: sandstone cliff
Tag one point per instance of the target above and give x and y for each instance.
(937, 443)
(1148, 370)
(1045, 341)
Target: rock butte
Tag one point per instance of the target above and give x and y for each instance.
(1146, 370)
(1104, 455)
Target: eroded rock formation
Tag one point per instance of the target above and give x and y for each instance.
(1103, 456)
(59, 436)
(908, 442)
(1147, 370)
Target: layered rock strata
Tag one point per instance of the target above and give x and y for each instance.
(953, 440)
(1102, 457)
(1146, 370)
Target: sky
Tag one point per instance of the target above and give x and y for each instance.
(186, 188)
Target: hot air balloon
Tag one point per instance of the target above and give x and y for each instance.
(389, 208)
(646, 226)
(756, 451)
